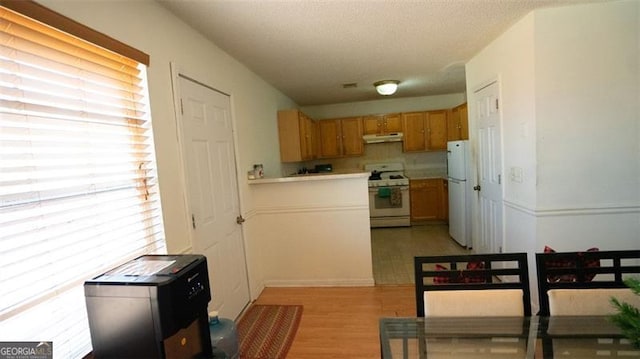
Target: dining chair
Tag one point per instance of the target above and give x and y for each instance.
(582, 283)
(472, 285)
(475, 285)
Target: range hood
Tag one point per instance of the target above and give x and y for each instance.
(390, 137)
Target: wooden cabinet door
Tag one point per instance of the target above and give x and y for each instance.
(352, 144)
(413, 124)
(392, 123)
(458, 123)
(426, 199)
(372, 124)
(382, 124)
(453, 125)
(291, 136)
(330, 138)
(437, 130)
(464, 122)
(445, 200)
(306, 137)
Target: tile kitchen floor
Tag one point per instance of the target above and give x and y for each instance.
(393, 250)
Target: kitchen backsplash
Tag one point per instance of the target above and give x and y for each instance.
(434, 162)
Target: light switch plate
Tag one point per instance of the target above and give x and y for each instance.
(515, 173)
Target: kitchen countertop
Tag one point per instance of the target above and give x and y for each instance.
(323, 176)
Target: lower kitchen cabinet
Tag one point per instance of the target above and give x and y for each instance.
(429, 199)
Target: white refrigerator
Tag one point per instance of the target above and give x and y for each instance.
(458, 156)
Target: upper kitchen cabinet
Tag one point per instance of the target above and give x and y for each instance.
(425, 131)
(340, 137)
(413, 124)
(458, 123)
(297, 133)
(382, 124)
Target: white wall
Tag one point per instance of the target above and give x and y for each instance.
(588, 125)
(587, 106)
(315, 231)
(570, 112)
(509, 60)
(146, 25)
(570, 85)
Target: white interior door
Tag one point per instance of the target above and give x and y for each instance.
(208, 148)
(489, 169)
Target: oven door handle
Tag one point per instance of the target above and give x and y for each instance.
(375, 189)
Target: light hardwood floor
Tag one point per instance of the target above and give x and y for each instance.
(342, 322)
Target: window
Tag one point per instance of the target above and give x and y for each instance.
(78, 184)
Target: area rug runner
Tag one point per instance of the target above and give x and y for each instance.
(267, 331)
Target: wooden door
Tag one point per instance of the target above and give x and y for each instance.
(437, 130)
(445, 200)
(426, 200)
(453, 125)
(212, 186)
(372, 124)
(307, 136)
(464, 122)
(330, 138)
(290, 132)
(392, 123)
(458, 123)
(352, 144)
(414, 131)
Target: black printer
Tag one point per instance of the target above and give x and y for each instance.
(154, 306)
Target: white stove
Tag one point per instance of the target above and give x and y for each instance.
(386, 174)
(389, 202)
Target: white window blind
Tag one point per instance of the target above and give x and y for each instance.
(78, 184)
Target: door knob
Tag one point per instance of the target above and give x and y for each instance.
(239, 220)
(476, 188)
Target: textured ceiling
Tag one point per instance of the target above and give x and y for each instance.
(309, 49)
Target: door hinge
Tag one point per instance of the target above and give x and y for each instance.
(181, 107)
(499, 179)
(240, 220)
(497, 105)
(193, 221)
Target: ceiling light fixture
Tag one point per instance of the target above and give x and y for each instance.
(386, 87)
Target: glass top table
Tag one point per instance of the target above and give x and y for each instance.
(503, 337)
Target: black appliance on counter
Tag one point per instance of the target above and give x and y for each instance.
(154, 306)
